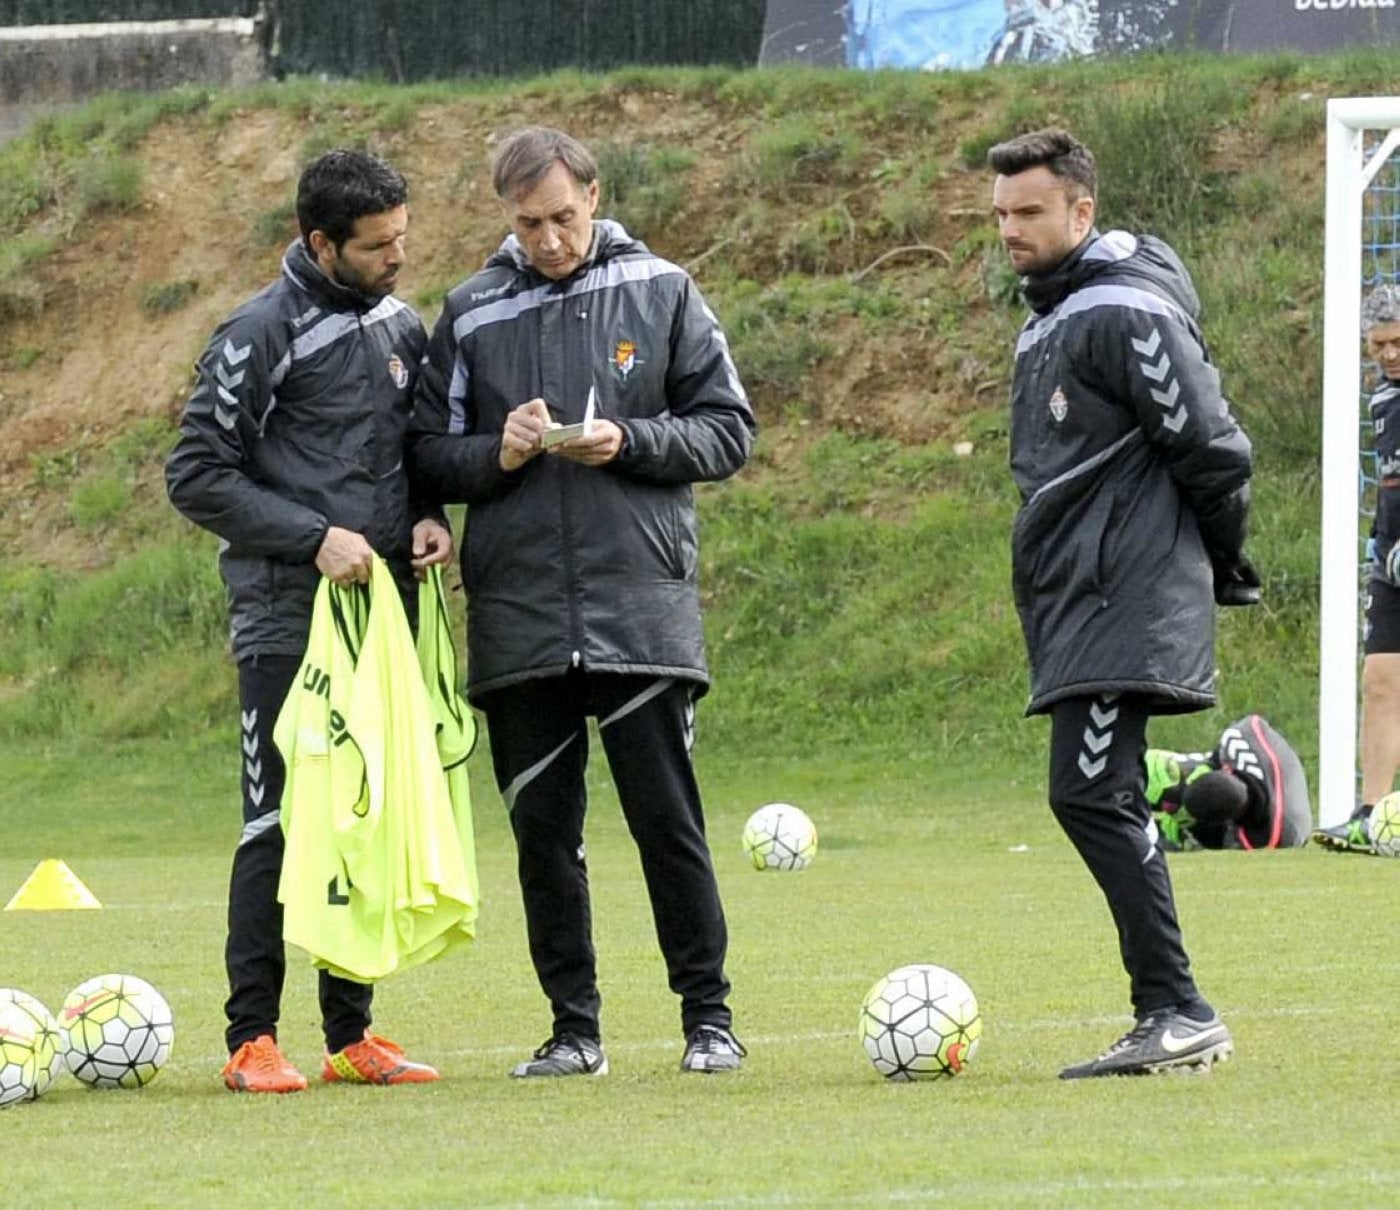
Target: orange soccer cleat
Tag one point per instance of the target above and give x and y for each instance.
(260, 1066)
(374, 1060)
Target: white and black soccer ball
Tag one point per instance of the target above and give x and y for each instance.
(117, 1031)
(1383, 826)
(47, 1040)
(920, 1022)
(780, 836)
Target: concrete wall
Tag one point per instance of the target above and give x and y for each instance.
(47, 64)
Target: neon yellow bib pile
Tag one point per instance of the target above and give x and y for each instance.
(380, 867)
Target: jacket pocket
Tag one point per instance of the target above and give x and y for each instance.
(1063, 552)
(685, 541)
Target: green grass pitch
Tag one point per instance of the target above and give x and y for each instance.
(918, 862)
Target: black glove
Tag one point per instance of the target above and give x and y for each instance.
(1236, 582)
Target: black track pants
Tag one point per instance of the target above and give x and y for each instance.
(254, 954)
(1097, 781)
(539, 748)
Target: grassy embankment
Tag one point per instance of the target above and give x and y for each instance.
(856, 575)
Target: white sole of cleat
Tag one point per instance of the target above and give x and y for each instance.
(1197, 1064)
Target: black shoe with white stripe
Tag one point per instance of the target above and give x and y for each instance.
(1161, 1041)
(712, 1048)
(565, 1055)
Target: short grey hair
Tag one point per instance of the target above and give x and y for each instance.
(1380, 306)
(523, 159)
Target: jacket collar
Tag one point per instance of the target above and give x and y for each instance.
(300, 268)
(1045, 291)
(610, 239)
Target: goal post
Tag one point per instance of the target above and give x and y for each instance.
(1363, 180)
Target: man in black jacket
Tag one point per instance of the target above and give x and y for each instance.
(291, 450)
(1134, 482)
(580, 562)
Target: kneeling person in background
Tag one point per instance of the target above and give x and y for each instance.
(1248, 792)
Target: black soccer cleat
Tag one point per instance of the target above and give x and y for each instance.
(1351, 836)
(1161, 1041)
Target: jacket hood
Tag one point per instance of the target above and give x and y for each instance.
(1116, 255)
(300, 268)
(610, 239)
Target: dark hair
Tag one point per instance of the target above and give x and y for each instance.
(344, 185)
(522, 160)
(1058, 150)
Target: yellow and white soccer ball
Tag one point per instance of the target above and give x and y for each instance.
(920, 1022)
(47, 1040)
(19, 1059)
(117, 1031)
(780, 836)
(1384, 825)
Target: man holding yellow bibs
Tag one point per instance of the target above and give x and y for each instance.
(291, 451)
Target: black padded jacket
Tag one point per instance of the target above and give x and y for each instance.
(1133, 475)
(565, 565)
(297, 423)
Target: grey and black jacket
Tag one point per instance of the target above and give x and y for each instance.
(1384, 412)
(565, 565)
(296, 424)
(1134, 480)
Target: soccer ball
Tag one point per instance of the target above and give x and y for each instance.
(47, 1040)
(117, 1031)
(920, 1022)
(1384, 825)
(780, 837)
(19, 1060)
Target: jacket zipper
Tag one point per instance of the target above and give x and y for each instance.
(566, 529)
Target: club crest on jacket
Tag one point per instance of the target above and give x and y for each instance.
(1059, 405)
(625, 357)
(398, 371)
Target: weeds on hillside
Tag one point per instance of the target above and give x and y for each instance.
(906, 203)
(108, 183)
(644, 186)
(1020, 115)
(1294, 120)
(800, 150)
(1155, 151)
(65, 635)
(164, 297)
(21, 292)
(54, 468)
(275, 227)
(99, 502)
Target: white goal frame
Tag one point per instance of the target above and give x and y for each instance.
(1349, 172)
